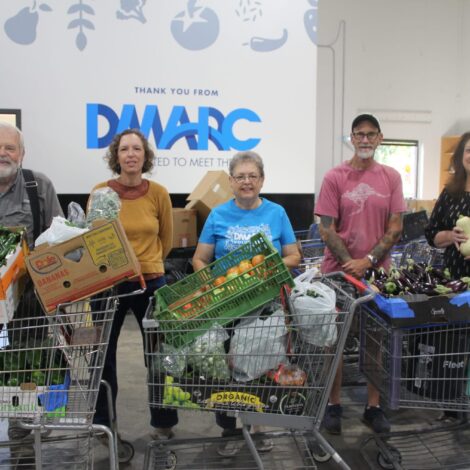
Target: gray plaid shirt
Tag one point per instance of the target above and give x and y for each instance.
(15, 209)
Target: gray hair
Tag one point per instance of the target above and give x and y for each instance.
(11, 127)
(246, 157)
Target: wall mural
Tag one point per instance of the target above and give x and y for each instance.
(195, 28)
(202, 79)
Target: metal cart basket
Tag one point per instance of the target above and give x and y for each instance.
(422, 367)
(50, 376)
(269, 367)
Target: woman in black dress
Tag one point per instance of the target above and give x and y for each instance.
(453, 201)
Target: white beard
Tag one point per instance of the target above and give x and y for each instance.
(365, 154)
(6, 173)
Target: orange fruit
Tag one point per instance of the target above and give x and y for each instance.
(219, 280)
(257, 259)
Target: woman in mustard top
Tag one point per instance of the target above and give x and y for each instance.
(146, 215)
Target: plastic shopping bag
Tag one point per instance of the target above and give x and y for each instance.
(60, 231)
(314, 310)
(258, 345)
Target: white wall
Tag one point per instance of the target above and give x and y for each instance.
(404, 61)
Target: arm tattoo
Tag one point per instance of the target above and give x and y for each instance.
(332, 240)
(391, 236)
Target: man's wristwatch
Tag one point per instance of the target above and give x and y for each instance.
(374, 261)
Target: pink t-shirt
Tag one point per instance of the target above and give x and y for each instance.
(361, 201)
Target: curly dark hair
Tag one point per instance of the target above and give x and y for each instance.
(456, 184)
(112, 154)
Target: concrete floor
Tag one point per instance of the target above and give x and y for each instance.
(133, 424)
(133, 419)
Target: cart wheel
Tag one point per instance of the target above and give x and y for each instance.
(385, 462)
(125, 451)
(318, 453)
(352, 345)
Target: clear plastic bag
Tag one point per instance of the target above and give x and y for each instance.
(258, 345)
(207, 354)
(60, 231)
(171, 360)
(314, 310)
(104, 204)
(76, 215)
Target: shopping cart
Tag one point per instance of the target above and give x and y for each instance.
(419, 251)
(423, 367)
(236, 369)
(50, 374)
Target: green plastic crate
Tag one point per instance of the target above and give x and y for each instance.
(234, 298)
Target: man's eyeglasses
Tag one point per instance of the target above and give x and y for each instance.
(250, 178)
(370, 135)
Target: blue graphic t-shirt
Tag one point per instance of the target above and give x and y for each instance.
(228, 226)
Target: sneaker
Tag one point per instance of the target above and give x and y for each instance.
(161, 434)
(264, 445)
(17, 433)
(375, 418)
(332, 419)
(230, 447)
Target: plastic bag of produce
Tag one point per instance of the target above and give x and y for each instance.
(206, 355)
(104, 204)
(60, 231)
(76, 215)
(258, 345)
(169, 360)
(314, 310)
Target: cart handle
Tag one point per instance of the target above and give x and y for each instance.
(143, 288)
(358, 284)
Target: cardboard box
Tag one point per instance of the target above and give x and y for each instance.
(21, 401)
(419, 309)
(104, 259)
(213, 190)
(184, 227)
(12, 280)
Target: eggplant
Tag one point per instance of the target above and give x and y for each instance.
(457, 285)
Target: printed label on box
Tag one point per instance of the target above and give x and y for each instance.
(105, 247)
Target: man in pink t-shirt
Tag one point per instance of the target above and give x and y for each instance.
(360, 206)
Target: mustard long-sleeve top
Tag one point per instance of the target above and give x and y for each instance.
(146, 215)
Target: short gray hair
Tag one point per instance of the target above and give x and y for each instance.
(244, 157)
(11, 127)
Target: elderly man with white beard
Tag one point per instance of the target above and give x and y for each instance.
(33, 208)
(15, 206)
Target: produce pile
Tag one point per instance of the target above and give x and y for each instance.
(247, 271)
(8, 242)
(415, 278)
(19, 366)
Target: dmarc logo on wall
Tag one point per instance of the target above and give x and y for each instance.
(191, 125)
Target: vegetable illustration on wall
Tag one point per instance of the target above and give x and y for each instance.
(311, 21)
(81, 23)
(22, 27)
(131, 9)
(196, 27)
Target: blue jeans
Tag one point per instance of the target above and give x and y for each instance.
(160, 417)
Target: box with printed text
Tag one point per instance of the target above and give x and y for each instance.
(82, 266)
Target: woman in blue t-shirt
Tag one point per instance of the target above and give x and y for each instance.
(232, 224)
